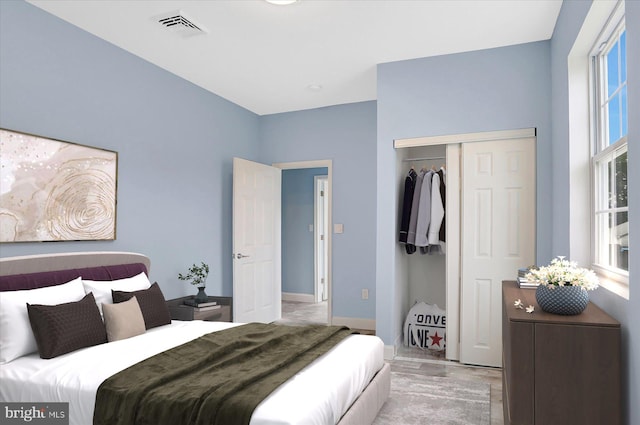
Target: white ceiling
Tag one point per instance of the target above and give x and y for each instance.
(264, 57)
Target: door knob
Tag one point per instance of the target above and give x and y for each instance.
(239, 256)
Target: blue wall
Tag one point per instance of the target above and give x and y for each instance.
(496, 89)
(175, 141)
(297, 241)
(346, 135)
(632, 324)
(627, 312)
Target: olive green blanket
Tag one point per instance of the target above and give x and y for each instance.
(219, 378)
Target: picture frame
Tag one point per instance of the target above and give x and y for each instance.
(53, 190)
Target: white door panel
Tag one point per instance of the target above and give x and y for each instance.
(321, 230)
(498, 237)
(256, 242)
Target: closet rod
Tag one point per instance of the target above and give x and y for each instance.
(432, 158)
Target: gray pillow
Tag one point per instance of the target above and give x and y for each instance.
(123, 320)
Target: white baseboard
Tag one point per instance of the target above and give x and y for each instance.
(301, 298)
(389, 352)
(354, 322)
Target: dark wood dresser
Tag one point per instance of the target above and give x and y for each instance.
(558, 370)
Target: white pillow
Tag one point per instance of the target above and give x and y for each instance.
(102, 288)
(16, 336)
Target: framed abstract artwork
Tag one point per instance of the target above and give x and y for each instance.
(52, 190)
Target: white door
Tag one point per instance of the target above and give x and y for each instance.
(497, 237)
(256, 242)
(321, 229)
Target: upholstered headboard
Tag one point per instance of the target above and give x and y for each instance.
(37, 271)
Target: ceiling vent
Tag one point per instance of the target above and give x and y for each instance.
(179, 23)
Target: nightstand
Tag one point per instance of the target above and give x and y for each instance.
(180, 311)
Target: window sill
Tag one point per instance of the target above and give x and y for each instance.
(619, 288)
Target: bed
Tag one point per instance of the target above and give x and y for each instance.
(346, 385)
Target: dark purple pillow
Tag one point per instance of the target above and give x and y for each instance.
(63, 328)
(152, 303)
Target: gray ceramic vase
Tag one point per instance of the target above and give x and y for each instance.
(565, 300)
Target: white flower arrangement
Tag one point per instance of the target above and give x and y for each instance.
(563, 272)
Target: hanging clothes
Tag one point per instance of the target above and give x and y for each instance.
(423, 221)
(443, 226)
(437, 211)
(413, 220)
(407, 201)
(424, 211)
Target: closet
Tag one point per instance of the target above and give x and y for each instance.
(489, 226)
(425, 252)
(424, 272)
(426, 249)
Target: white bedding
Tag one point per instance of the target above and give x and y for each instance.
(335, 380)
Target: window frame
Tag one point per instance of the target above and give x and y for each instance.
(601, 152)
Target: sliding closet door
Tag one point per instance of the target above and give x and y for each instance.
(497, 237)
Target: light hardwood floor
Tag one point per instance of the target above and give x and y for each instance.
(411, 360)
(299, 312)
(414, 360)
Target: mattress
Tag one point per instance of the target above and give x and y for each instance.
(335, 380)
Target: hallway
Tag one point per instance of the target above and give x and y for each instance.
(304, 313)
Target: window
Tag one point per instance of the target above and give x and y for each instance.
(609, 158)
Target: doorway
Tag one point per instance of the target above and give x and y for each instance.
(306, 241)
